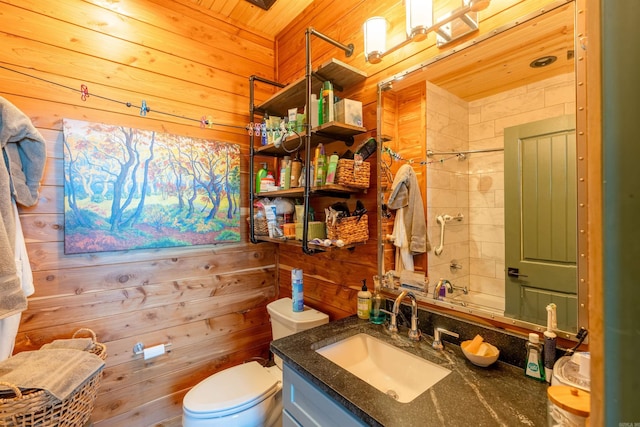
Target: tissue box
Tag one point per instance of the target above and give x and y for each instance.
(349, 111)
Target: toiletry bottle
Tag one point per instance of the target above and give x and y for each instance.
(327, 102)
(320, 109)
(331, 168)
(320, 163)
(296, 170)
(261, 174)
(376, 315)
(285, 173)
(364, 301)
(296, 290)
(534, 364)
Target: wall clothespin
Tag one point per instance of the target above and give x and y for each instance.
(144, 109)
(84, 92)
(210, 121)
(203, 122)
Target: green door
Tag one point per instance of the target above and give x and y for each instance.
(540, 221)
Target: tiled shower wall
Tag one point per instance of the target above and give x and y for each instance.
(475, 186)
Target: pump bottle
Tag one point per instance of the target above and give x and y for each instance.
(364, 301)
(534, 364)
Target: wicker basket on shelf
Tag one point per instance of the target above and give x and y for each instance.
(353, 174)
(37, 407)
(350, 230)
(260, 227)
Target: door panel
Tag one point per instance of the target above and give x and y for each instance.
(540, 217)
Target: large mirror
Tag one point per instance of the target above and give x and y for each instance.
(488, 130)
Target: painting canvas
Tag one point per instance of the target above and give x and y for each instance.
(128, 188)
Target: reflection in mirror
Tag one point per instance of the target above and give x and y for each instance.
(447, 120)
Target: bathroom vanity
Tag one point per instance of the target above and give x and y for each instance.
(318, 392)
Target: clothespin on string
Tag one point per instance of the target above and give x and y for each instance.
(144, 109)
(84, 92)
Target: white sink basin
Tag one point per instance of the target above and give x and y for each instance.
(390, 369)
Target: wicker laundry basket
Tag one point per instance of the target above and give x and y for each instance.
(36, 407)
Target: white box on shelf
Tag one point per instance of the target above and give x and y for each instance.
(349, 111)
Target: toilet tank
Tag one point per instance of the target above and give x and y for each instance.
(285, 321)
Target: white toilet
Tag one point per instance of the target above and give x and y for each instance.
(248, 395)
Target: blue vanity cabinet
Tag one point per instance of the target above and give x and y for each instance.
(305, 405)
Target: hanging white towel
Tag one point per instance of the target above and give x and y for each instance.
(9, 325)
(404, 257)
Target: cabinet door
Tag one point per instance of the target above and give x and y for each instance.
(310, 406)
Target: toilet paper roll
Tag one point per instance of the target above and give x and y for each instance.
(155, 351)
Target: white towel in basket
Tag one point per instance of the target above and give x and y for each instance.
(58, 371)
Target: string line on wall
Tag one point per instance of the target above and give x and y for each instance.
(206, 121)
(460, 155)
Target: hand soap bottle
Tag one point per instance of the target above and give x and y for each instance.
(534, 367)
(364, 301)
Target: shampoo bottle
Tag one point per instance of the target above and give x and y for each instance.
(331, 169)
(534, 367)
(327, 102)
(364, 301)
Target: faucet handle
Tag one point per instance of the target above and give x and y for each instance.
(437, 342)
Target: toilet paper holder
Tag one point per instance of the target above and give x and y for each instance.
(138, 348)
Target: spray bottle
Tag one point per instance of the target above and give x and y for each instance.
(550, 341)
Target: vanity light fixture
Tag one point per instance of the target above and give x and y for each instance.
(419, 23)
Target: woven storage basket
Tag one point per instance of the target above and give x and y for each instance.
(260, 227)
(351, 229)
(38, 408)
(352, 174)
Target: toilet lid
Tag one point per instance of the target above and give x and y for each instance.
(231, 390)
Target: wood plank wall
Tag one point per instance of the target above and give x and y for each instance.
(333, 279)
(207, 301)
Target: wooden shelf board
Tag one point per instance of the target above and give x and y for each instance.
(294, 95)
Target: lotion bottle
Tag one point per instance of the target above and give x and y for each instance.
(364, 301)
(534, 367)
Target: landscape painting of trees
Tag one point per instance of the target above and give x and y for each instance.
(127, 189)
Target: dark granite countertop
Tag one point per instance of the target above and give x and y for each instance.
(469, 396)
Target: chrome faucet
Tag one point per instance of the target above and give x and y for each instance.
(442, 282)
(414, 333)
(437, 341)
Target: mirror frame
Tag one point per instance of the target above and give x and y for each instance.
(581, 150)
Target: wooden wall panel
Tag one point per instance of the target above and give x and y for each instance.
(209, 301)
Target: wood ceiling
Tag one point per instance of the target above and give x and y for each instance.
(266, 22)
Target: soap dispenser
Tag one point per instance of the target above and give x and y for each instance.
(364, 301)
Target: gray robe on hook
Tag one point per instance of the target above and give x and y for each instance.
(406, 195)
(24, 154)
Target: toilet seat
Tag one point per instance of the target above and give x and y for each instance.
(230, 391)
